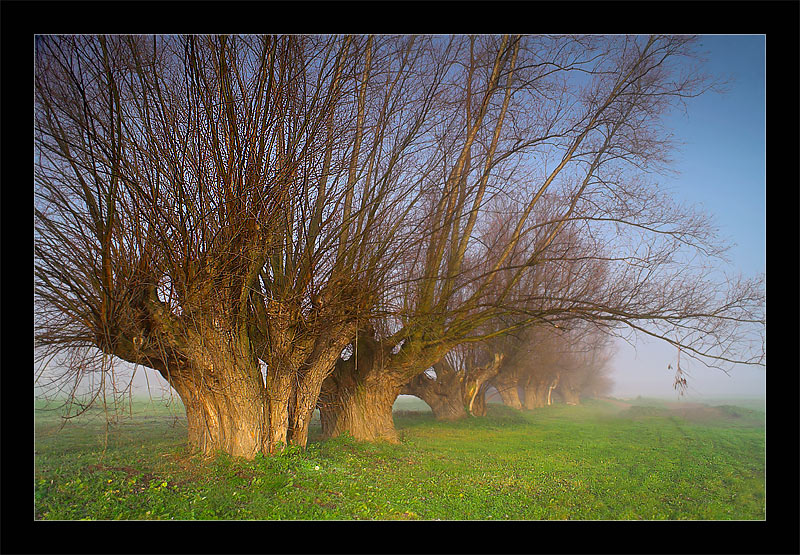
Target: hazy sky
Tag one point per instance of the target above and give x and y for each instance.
(722, 165)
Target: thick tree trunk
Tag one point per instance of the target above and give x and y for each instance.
(365, 412)
(231, 421)
(222, 391)
(535, 395)
(449, 407)
(301, 407)
(211, 366)
(444, 394)
(479, 401)
(317, 367)
(301, 411)
(475, 384)
(358, 396)
(278, 393)
(506, 386)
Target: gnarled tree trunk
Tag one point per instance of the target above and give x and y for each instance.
(506, 386)
(319, 364)
(222, 389)
(475, 383)
(358, 396)
(365, 412)
(478, 407)
(452, 395)
(301, 410)
(535, 392)
(444, 394)
(279, 390)
(224, 416)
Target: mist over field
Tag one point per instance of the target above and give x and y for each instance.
(632, 377)
(400, 277)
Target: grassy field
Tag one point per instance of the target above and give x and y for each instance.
(605, 459)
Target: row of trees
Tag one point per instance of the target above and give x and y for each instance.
(282, 223)
(527, 368)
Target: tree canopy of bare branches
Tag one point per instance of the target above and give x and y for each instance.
(238, 211)
(545, 207)
(212, 206)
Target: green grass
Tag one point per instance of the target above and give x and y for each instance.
(599, 460)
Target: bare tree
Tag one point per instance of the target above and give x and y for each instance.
(235, 212)
(339, 237)
(453, 384)
(219, 209)
(561, 134)
(145, 238)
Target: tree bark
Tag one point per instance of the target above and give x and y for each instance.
(451, 395)
(506, 386)
(279, 390)
(479, 402)
(444, 394)
(301, 410)
(309, 385)
(535, 392)
(363, 410)
(221, 387)
(211, 365)
(358, 396)
(230, 419)
(475, 383)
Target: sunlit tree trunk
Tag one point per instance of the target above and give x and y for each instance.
(363, 411)
(311, 376)
(220, 383)
(478, 407)
(224, 414)
(358, 396)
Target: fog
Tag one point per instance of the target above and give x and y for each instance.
(636, 371)
(643, 370)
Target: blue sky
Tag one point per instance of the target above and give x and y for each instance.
(722, 167)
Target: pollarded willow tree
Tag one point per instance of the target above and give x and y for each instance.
(545, 362)
(506, 347)
(454, 387)
(220, 209)
(562, 134)
(234, 211)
